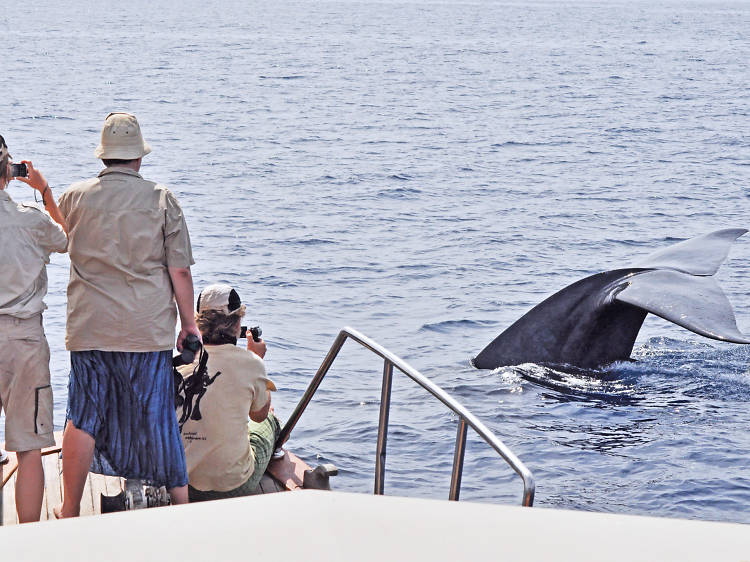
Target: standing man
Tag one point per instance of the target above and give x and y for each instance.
(130, 260)
(27, 238)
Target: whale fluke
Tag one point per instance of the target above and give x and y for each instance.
(596, 320)
(702, 255)
(693, 302)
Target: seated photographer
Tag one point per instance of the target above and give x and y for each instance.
(226, 455)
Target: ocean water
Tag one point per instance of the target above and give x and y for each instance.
(426, 172)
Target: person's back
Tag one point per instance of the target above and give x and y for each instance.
(23, 275)
(124, 232)
(130, 260)
(28, 236)
(218, 452)
(226, 455)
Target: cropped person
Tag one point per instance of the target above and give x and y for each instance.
(27, 238)
(130, 257)
(226, 454)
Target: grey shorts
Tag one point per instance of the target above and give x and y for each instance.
(25, 390)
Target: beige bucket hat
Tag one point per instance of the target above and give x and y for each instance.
(121, 138)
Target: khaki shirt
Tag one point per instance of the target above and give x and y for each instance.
(217, 447)
(28, 236)
(124, 232)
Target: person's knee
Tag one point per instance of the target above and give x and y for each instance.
(29, 457)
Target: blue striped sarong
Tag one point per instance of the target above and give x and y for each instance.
(125, 401)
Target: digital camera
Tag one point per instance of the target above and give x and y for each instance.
(19, 171)
(255, 331)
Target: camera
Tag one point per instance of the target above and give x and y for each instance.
(190, 347)
(18, 171)
(255, 331)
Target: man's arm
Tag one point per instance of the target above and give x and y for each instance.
(36, 180)
(182, 285)
(262, 414)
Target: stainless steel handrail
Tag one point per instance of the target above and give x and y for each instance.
(465, 418)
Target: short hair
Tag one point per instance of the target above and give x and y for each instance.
(218, 328)
(115, 162)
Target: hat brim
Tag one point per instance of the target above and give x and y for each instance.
(122, 152)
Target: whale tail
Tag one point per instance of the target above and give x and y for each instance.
(596, 320)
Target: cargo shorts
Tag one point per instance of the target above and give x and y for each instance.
(25, 389)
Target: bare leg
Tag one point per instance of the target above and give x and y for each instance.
(77, 450)
(178, 495)
(29, 486)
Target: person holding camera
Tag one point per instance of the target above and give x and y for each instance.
(130, 257)
(226, 454)
(28, 236)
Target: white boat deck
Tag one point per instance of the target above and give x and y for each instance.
(333, 526)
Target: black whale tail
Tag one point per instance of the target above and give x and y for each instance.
(596, 320)
(576, 326)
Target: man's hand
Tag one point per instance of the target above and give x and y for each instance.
(182, 285)
(35, 178)
(184, 333)
(257, 347)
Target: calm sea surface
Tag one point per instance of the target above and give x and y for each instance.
(425, 172)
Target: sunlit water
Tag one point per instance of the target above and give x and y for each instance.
(426, 172)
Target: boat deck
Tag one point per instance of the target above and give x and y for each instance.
(335, 526)
(96, 484)
(283, 474)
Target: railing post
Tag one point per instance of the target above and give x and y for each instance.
(458, 459)
(385, 407)
(466, 418)
(314, 384)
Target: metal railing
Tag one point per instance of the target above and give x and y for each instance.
(465, 418)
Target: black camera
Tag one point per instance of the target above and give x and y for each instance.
(19, 171)
(255, 331)
(190, 346)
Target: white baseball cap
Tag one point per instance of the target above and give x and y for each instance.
(222, 298)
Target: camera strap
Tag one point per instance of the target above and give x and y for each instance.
(192, 388)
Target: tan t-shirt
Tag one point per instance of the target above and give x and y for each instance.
(124, 232)
(27, 238)
(217, 448)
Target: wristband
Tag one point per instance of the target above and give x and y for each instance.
(45, 190)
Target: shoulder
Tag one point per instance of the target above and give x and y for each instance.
(242, 358)
(166, 197)
(80, 187)
(138, 182)
(28, 206)
(34, 212)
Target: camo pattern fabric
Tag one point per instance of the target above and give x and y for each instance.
(125, 400)
(262, 438)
